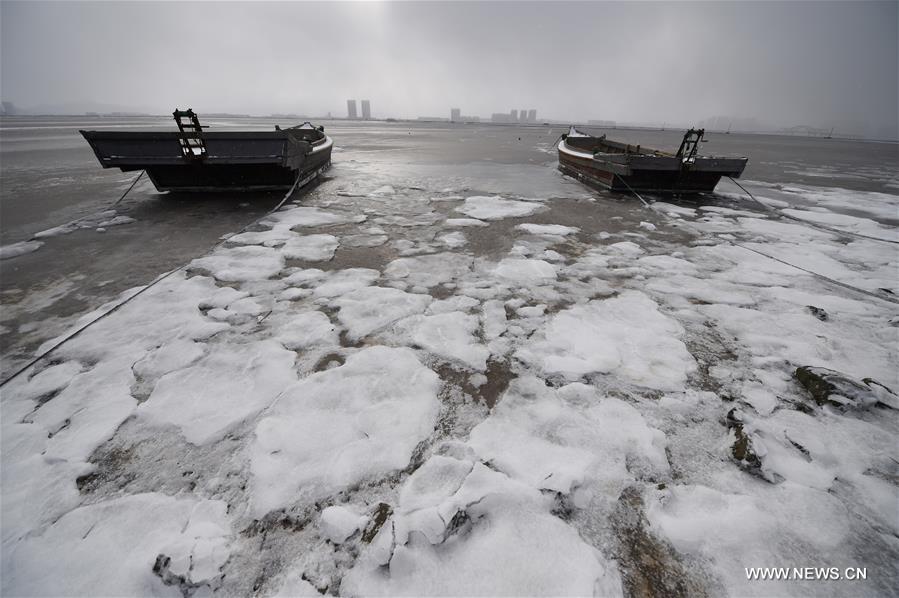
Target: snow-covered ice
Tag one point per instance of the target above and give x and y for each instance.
(342, 426)
(626, 335)
(479, 405)
(484, 207)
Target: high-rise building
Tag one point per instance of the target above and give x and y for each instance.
(522, 116)
(514, 114)
(351, 109)
(366, 110)
(455, 115)
(532, 116)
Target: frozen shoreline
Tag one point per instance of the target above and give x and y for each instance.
(414, 385)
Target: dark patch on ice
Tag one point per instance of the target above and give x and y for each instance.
(280, 520)
(113, 460)
(418, 457)
(375, 258)
(799, 448)
(40, 402)
(142, 458)
(498, 373)
(329, 361)
(829, 387)
(379, 517)
(161, 569)
(708, 347)
(817, 312)
(346, 342)
(649, 566)
(563, 304)
(440, 292)
(141, 388)
(562, 508)
(741, 449)
(460, 524)
(65, 424)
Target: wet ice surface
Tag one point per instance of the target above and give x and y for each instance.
(346, 399)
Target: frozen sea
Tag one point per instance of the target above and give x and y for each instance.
(447, 369)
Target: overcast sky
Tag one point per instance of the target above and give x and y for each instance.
(821, 64)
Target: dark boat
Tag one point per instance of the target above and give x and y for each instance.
(191, 159)
(623, 167)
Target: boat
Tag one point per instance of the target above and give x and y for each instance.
(617, 166)
(193, 159)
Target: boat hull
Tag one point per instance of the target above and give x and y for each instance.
(233, 161)
(648, 172)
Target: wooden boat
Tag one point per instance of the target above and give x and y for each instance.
(623, 167)
(192, 159)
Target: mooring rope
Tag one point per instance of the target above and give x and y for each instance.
(133, 183)
(635, 193)
(807, 222)
(771, 257)
(821, 276)
(159, 279)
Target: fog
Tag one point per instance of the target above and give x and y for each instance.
(819, 64)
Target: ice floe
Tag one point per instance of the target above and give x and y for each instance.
(221, 390)
(156, 541)
(341, 426)
(625, 335)
(370, 309)
(17, 249)
(549, 410)
(484, 207)
(238, 264)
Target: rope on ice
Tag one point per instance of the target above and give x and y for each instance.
(159, 279)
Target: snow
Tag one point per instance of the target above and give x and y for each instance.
(305, 330)
(626, 335)
(449, 335)
(340, 282)
(853, 224)
(429, 270)
(465, 222)
(545, 410)
(313, 248)
(525, 271)
(453, 240)
(370, 309)
(131, 532)
(17, 249)
(223, 389)
(511, 547)
(342, 426)
(454, 303)
(558, 440)
(508, 558)
(548, 229)
(484, 207)
(339, 523)
(239, 264)
(733, 529)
